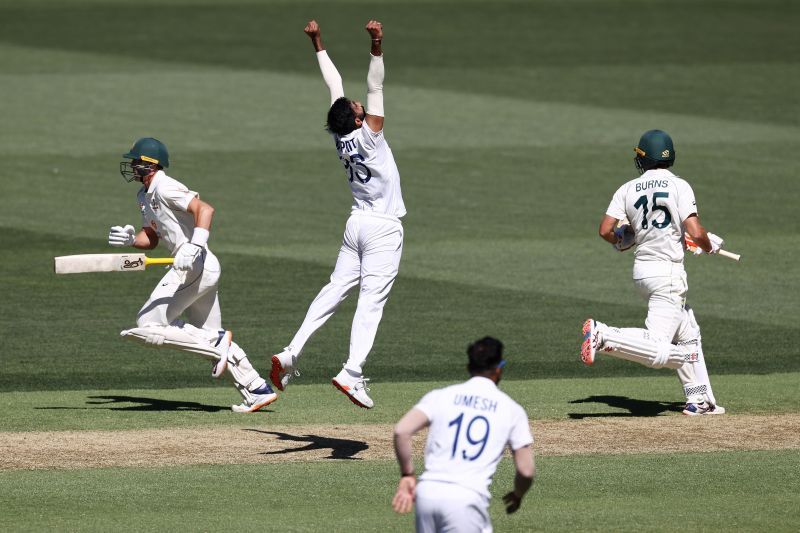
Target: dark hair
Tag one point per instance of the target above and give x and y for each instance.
(484, 354)
(341, 117)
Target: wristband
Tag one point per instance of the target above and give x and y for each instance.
(407, 475)
(200, 237)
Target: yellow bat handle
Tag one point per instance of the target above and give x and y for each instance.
(158, 261)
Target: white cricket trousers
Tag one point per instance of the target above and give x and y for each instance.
(448, 507)
(370, 255)
(193, 294)
(669, 318)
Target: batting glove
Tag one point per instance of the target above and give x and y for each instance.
(119, 236)
(626, 238)
(716, 243)
(691, 245)
(186, 256)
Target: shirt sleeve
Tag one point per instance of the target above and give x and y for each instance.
(520, 431)
(370, 140)
(140, 198)
(428, 404)
(176, 196)
(687, 205)
(616, 208)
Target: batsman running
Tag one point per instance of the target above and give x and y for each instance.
(652, 212)
(176, 216)
(373, 237)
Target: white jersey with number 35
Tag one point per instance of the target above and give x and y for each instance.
(656, 204)
(470, 426)
(371, 170)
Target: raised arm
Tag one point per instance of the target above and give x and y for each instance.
(375, 76)
(329, 73)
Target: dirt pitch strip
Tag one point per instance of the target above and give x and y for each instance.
(212, 445)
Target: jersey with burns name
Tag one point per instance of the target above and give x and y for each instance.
(163, 207)
(470, 426)
(656, 204)
(371, 171)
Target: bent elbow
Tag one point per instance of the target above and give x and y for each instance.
(528, 471)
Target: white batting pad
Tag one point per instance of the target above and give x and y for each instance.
(635, 344)
(175, 338)
(241, 370)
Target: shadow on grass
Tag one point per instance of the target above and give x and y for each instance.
(340, 448)
(635, 408)
(145, 404)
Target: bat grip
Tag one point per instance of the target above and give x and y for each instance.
(729, 255)
(159, 261)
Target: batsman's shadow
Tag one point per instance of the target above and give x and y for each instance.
(340, 448)
(634, 407)
(144, 404)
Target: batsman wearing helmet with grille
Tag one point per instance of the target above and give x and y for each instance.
(176, 216)
(652, 213)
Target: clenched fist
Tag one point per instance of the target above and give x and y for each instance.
(375, 29)
(312, 29)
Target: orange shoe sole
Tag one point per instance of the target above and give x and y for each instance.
(587, 352)
(258, 406)
(344, 390)
(275, 373)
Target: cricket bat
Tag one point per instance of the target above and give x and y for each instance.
(692, 246)
(76, 264)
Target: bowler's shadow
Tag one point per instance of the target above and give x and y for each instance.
(145, 404)
(340, 448)
(634, 407)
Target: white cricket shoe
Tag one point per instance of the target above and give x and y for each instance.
(355, 387)
(283, 368)
(261, 397)
(592, 340)
(703, 408)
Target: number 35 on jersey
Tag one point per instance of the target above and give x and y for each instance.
(355, 168)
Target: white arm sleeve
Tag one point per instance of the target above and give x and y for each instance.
(331, 76)
(375, 86)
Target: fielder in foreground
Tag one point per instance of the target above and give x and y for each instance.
(660, 207)
(373, 237)
(470, 426)
(176, 216)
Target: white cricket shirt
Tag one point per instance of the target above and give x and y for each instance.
(163, 207)
(371, 170)
(471, 424)
(656, 204)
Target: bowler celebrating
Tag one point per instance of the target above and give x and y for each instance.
(373, 237)
(176, 216)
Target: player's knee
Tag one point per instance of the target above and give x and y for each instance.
(371, 302)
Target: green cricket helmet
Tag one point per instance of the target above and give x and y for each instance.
(147, 153)
(655, 149)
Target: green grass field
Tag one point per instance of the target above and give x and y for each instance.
(512, 123)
